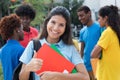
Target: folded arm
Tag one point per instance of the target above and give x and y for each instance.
(96, 52)
(80, 75)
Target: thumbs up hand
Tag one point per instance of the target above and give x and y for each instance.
(35, 63)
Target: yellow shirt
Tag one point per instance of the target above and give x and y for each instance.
(76, 44)
(109, 66)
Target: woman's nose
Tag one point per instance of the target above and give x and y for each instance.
(55, 27)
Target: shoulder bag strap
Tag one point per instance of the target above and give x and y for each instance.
(36, 46)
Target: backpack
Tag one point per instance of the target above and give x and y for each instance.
(17, 70)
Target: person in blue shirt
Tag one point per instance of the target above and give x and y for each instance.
(56, 30)
(11, 30)
(89, 36)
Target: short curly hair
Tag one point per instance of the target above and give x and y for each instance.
(8, 24)
(25, 10)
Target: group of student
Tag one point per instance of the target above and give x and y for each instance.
(19, 47)
(104, 45)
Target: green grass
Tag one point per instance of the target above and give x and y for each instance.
(1, 73)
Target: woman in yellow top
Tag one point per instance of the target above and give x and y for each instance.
(109, 43)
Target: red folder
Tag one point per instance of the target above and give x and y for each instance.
(52, 61)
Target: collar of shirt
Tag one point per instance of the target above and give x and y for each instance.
(59, 44)
(13, 41)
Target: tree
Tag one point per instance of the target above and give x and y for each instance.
(4, 10)
(73, 12)
(42, 8)
(7, 6)
(14, 4)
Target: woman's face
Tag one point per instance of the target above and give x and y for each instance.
(56, 27)
(102, 21)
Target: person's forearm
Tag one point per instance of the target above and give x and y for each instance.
(75, 76)
(81, 53)
(24, 74)
(82, 49)
(82, 74)
(96, 52)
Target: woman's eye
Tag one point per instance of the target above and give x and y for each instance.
(62, 25)
(53, 22)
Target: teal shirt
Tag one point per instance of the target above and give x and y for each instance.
(89, 35)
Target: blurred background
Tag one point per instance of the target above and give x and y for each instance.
(43, 7)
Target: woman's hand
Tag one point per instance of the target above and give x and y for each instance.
(35, 64)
